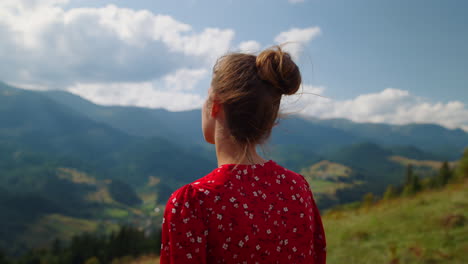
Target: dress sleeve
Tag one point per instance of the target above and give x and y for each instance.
(184, 232)
(319, 239)
(320, 244)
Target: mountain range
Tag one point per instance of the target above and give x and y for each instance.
(125, 161)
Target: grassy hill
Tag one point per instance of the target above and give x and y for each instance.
(41, 203)
(359, 169)
(431, 227)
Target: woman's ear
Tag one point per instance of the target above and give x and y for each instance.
(215, 107)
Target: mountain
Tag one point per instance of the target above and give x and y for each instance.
(156, 157)
(133, 144)
(301, 132)
(432, 138)
(183, 127)
(34, 121)
(42, 141)
(65, 161)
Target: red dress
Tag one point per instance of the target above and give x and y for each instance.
(259, 213)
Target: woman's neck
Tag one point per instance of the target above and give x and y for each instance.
(229, 152)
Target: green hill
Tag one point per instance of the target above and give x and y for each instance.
(64, 202)
(431, 227)
(352, 171)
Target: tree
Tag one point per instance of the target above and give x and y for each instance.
(445, 174)
(417, 186)
(412, 187)
(93, 260)
(409, 174)
(123, 193)
(56, 247)
(368, 199)
(462, 167)
(3, 259)
(390, 193)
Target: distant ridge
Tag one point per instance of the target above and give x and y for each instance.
(447, 143)
(321, 134)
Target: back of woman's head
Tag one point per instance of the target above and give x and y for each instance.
(250, 87)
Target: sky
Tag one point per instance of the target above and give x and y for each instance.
(393, 61)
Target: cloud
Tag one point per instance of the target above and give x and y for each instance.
(296, 38)
(174, 92)
(184, 79)
(114, 55)
(250, 46)
(45, 44)
(144, 94)
(296, 103)
(391, 105)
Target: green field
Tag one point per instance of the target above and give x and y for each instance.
(430, 227)
(43, 232)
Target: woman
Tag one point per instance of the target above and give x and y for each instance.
(248, 210)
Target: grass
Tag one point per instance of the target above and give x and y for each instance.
(326, 178)
(41, 233)
(75, 176)
(430, 227)
(116, 213)
(434, 165)
(327, 187)
(326, 169)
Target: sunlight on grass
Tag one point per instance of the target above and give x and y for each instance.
(428, 228)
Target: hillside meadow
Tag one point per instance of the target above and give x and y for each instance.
(430, 227)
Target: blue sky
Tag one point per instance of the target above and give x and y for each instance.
(393, 61)
(417, 45)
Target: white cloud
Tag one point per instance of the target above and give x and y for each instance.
(297, 102)
(174, 92)
(250, 46)
(144, 94)
(296, 38)
(211, 43)
(392, 106)
(45, 44)
(114, 55)
(184, 79)
(120, 56)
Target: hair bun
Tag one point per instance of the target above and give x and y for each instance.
(276, 67)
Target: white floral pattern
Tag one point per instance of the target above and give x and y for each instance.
(236, 215)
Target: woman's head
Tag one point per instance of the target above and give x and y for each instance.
(248, 88)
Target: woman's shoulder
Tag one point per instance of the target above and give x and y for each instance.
(196, 189)
(294, 177)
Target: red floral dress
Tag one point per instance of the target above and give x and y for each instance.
(259, 213)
